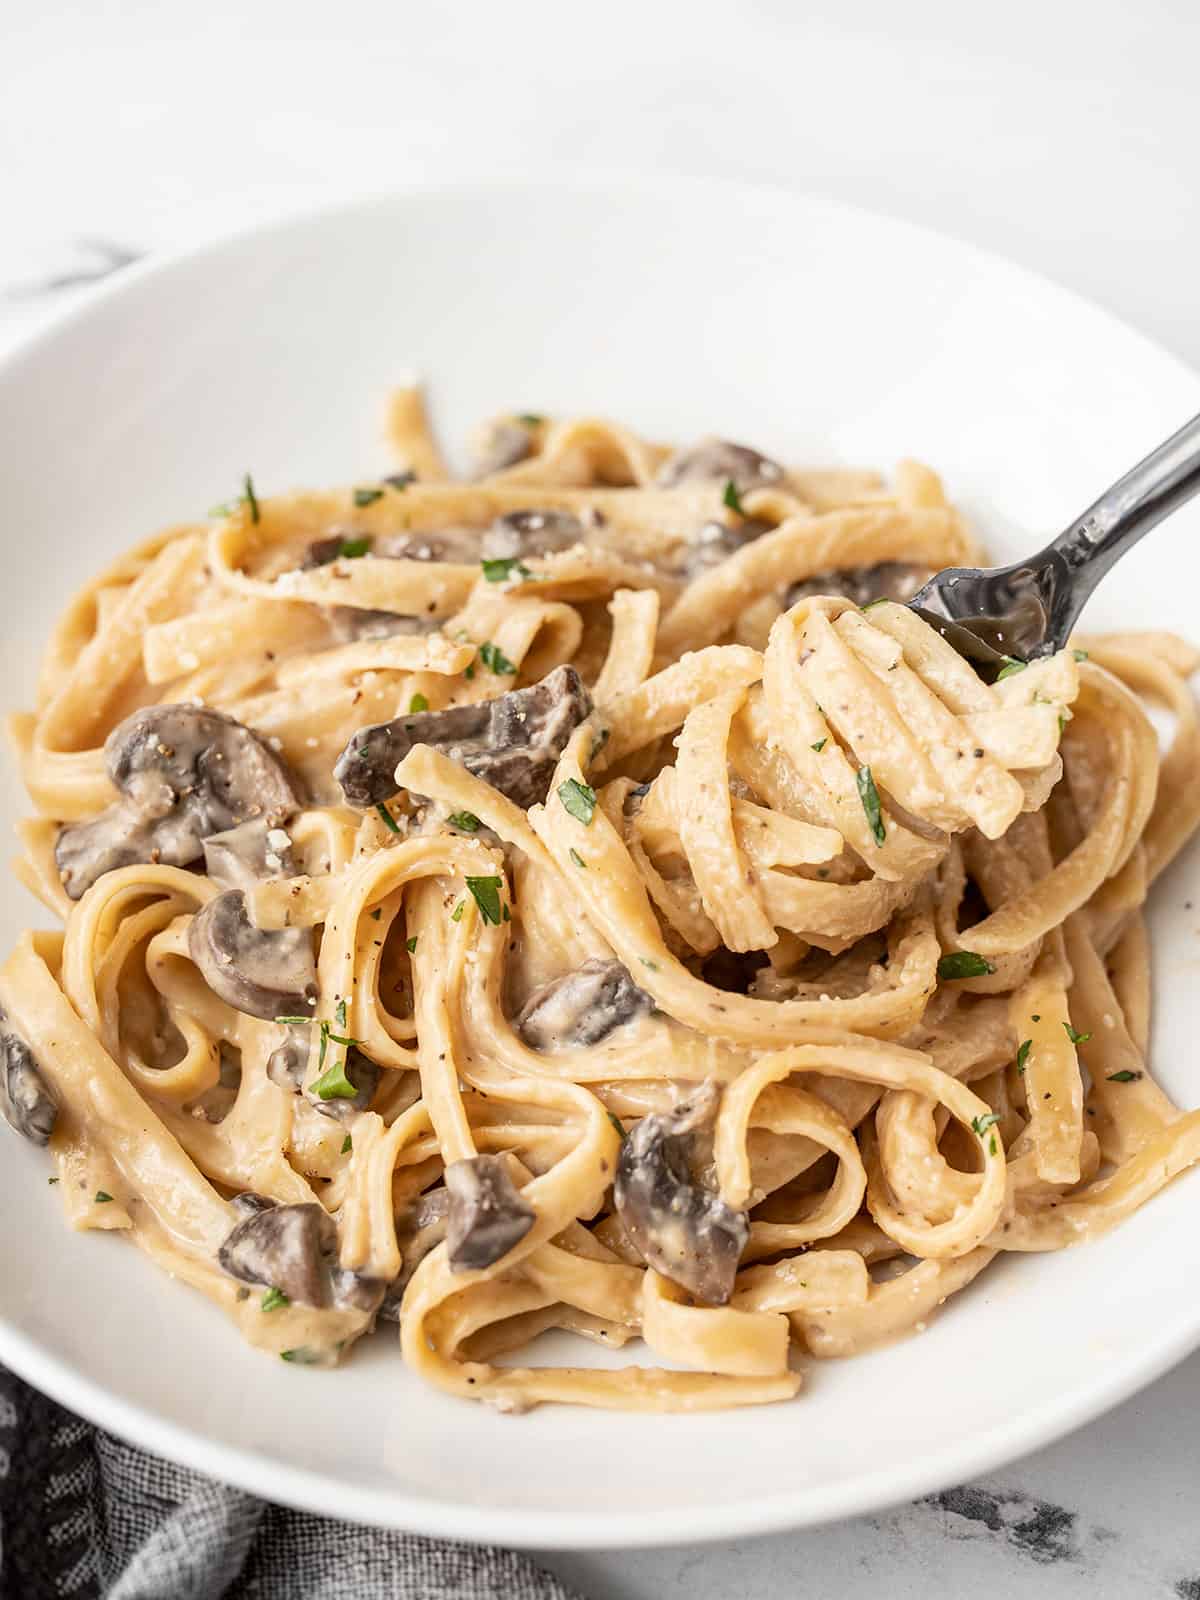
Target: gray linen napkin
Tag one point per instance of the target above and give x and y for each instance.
(85, 1516)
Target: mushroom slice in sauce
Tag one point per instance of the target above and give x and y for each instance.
(886, 580)
(351, 624)
(530, 533)
(681, 1229)
(582, 1007)
(184, 773)
(418, 1231)
(720, 459)
(244, 855)
(265, 972)
(26, 1104)
(715, 542)
(503, 443)
(511, 742)
(288, 1063)
(292, 1248)
(486, 1215)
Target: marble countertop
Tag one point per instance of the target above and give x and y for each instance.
(1062, 137)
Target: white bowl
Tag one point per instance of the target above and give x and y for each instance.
(813, 331)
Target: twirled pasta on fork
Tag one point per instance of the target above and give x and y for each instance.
(586, 897)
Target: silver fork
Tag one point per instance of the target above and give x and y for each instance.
(1000, 614)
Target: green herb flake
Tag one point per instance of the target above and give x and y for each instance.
(466, 820)
(51, 1180)
(418, 703)
(290, 1020)
(1123, 1077)
(251, 499)
(992, 1148)
(579, 799)
(1036, 1016)
(347, 1145)
(456, 914)
(869, 795)
(495, 660)
(980, 1125)
(1074, 1036)
(302, 1355)
(964, 964)
(334, 1084)
(400, 480)
(367, 497)
(411, 944)
(646, 962)
(353, 549)
(1010, 668)
(576, 857)
(102, 1197)
(1023, 1055)
(530, 419)
(339, 1012)
(1080, 655)
(386, 817)
(731, 497)
(486, 894)
(819, 746)
(274, 1299)
(470, 671)
(617, 1123)
(499, 571)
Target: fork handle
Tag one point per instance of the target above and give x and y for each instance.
(1124, 513)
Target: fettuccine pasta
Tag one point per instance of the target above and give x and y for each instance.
(585, 897)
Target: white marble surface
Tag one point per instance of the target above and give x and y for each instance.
(1062, 135)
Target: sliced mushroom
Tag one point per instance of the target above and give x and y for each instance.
(581, 1007)
(184, 773)
(886, 580)
(242, 856)
(486, 1215)
(418, 1231)
(351, 624)
(720, 459)
(292, 1248)
(502, 443)
(26, 1104)
(511, 742)
(287, 1065)
(717, 541)
(681, 1229)
(265, 972)
(530, 533)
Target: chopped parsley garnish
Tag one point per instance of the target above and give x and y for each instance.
(992, 1147)
(486, 893)
(1011, 666)
(386, 817)
(576, 857)
(500, 570)
(251, 499)
(1080, 655)
(305, 1020)
(333, 1084)
(456, 914)
(102, 1197)
(1023, 1054)
(470, 670)
(347, 1145)
(466, 820)
(418, 703)
(367, 497)
(869, 795)
(1074, 1036)
(411, 944)
(819, 746)
(339, 1012)
(579, 799)
(352, 549)
(980, 1125)
(617, 1123)
(273, 1299)
(731, 497)
(494, 660)
(302, 1355)
(964, 964)
(400, 480)
(1123, 1077)
(531, 419)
